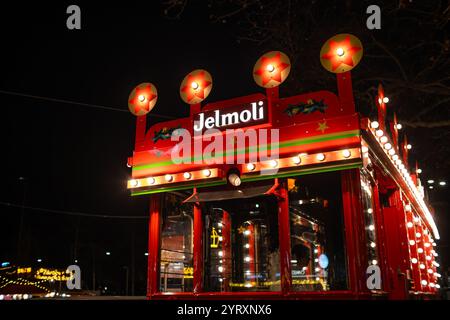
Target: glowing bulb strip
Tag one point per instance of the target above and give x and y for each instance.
(305, 159)
(403, 172)
(175, 178)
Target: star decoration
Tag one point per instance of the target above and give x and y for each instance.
(322, 126)
(144, 106)
(149, 94)
(341, 53)
(202, 90)
(272, 67)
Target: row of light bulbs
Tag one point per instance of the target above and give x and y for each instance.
(135, 183)
(251, 167)
(297, 160)
(402, 168)
(428, 258)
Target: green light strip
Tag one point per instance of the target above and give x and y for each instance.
(290, 143)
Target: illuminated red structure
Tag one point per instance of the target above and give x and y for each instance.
(321, 205)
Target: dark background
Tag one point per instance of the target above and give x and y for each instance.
(72, 158)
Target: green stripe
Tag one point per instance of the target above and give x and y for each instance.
(290, 143)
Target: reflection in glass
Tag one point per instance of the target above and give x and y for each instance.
(242, 251)
(317, 232)
(369, 219)
(176, 269)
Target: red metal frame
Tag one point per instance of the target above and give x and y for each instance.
(198, 248)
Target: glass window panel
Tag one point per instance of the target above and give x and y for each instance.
(176, 254)
(369, 219)
(317, 232)
(242, 248)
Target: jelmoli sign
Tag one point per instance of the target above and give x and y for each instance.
(246, 115)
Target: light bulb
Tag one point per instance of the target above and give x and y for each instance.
(375, 124)
(273, 163)
(168, 177)
(270, 68)
(134, 183)
(320, 157)
(346, 153)
(399, 126)
(194, 85)
(251, 167)
(207, 173)
(151, 180)
(187, 175)
(414, 260)
(386, 100)
(296, 160)
(141, 98)
(340, 52)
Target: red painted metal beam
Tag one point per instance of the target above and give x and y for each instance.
(284, 237)
(154, 245)
(198, 248)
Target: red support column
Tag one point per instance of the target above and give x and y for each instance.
(284, 231)
(345, 90)
(198, 249)
(355, 234)
(397, 247)
(381, 239)
(153, 245)
(141, 127)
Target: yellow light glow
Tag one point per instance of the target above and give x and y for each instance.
(273, 163)
(270, 68)
(320, 157)
(194, 85)
(187, 175)
(346, 153)
(207, 173)
(134, 183)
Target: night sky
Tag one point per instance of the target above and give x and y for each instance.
(70, 157)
